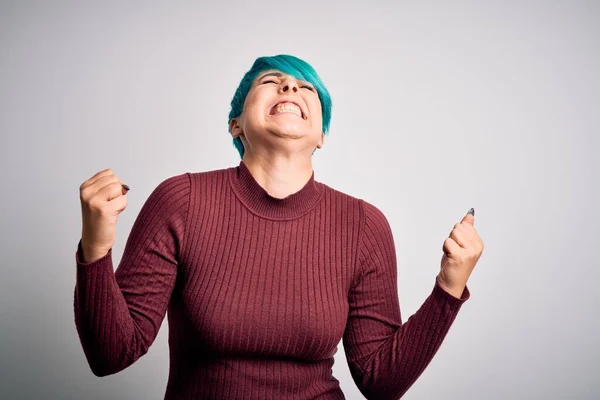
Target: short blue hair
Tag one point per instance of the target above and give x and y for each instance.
(289, 65)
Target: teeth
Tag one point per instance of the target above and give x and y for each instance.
(288, 107)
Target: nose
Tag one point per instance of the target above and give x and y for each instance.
(288, 84)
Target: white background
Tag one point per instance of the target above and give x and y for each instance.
(437, 107)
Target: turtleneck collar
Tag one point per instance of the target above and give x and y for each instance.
(257, 200)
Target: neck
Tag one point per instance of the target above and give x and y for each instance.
(279, 176)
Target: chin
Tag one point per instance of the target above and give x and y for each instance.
(289, 130)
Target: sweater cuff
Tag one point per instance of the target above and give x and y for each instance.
(445, 297)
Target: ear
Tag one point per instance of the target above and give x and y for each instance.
(235, 129)
(320, 145)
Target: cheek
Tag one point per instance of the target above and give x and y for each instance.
(256, 107)
(253, 113)
(317, 114)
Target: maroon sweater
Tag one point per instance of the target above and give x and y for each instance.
(259, 292)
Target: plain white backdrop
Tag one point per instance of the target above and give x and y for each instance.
(437, 107)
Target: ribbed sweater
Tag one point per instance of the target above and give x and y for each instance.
(258, 292)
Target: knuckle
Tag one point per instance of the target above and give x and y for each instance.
(93, 204)
(84, 194)
(105, 209)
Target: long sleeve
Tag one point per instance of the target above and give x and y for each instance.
(118, 313)
(385, 356)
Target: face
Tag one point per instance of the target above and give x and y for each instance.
(280, 107)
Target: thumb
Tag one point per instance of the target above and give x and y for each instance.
(470, 217)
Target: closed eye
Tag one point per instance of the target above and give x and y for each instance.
(312, 89)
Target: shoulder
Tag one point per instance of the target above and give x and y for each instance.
(209, 177)
(192, 183)
(173, 181)
(370, 214)
(373, 216)
(376, 230)
(171, 195)
(212, 173)
(339, 197)
(172, 188)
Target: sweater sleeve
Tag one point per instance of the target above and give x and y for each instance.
(118, 313)
(385, 356)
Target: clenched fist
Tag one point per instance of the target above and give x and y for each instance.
(462, 250)
(102, 200)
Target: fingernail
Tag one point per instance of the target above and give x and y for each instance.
(472, 212)
(125, 186)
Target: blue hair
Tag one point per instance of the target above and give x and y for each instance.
(289, 65)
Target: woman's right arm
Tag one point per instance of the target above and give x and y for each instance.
(118, 313)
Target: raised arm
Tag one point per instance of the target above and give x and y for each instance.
(385, 356)
(118, 313)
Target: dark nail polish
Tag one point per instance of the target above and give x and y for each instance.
(125, 186)
(472, 212)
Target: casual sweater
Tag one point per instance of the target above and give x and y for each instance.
(259, 291)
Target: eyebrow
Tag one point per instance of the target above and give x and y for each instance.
(278, 74)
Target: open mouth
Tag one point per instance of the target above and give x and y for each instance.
(287, 107)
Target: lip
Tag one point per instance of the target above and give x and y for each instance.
(271, 107)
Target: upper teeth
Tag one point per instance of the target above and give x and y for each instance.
(288, 107)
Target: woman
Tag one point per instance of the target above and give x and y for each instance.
(262, 268)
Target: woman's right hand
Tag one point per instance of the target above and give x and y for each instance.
(102, 200)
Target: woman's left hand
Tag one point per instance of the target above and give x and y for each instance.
(462, 250)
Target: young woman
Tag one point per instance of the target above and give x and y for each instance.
(262, 269)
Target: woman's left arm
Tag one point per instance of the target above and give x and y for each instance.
(385, 356)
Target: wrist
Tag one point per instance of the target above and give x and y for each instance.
(90, 254)
(456, 290)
